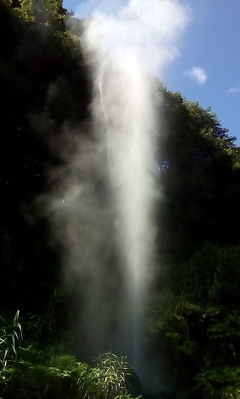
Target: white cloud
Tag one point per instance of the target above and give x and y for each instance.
(198, 74)
(234, 90)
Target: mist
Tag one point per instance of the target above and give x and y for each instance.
(103, 207)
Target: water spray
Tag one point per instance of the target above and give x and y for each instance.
(130, 46)
(105, 119)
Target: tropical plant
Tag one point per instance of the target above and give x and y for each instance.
(10, 340)
(114, 371)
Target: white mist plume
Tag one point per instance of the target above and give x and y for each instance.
(144, 30)
(137, 39)
(129, 44)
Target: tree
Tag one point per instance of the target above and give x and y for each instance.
(199, 177)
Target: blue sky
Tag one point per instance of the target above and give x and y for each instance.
(208, 67)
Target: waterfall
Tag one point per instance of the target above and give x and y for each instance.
(102, 210)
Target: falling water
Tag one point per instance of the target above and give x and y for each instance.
(131, 126)
(128, 46)
(138, 39)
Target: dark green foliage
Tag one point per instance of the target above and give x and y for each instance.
(211, 275)
(29, 373)
(199, 321)
(221, 383)
(36, 375)
(41, 64)
(53, 379)
(200, 180)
